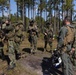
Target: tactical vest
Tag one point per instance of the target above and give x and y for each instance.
(32, 30)
(3, 26)
(49, 35)
(10, 32)
(0, 39)
(69, 36)
(18, 36)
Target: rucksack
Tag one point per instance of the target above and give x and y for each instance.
(56, 59)
(70, 35)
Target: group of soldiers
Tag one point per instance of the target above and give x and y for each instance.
(65, 46)
(12, 34)
(34, 34)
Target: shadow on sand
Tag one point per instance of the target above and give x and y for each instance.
(40, 49)
(27, 50)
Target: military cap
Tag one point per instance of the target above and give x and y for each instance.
(20, 21)
(47, 23)
(7, 19)
(18, 24)
(14, 23)
(31, 21)
(67, 18)
(3, 20)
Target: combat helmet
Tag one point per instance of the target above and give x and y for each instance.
(3, 20)
(20, 22)
(47, 23)
(31, 21)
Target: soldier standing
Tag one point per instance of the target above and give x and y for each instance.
(2, 41)
(18, 38)
(3, 25)
(10, 33)
(48, 36)
(66, 37)
(1, 45)
(73, 52)
(33, 34)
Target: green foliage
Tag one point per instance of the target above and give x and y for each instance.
(51, 8)
(42, 5)
(68, 5)
(27, 23)
(40, 21)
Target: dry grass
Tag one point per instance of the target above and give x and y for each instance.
(40, 43)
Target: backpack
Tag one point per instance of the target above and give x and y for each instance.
(56, 59)
(70, 35)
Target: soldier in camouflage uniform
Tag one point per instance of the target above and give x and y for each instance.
(48, 36)
(1, 45)
(73, 53)
(10, 33)
(3, 25)
(18, 38)
(65, 41)
(2, 40)
(33, 34)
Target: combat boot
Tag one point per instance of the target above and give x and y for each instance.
(31, 51)
(11, 67)
(45, 49)
(18, 55)
(35, 50)
(2, 57)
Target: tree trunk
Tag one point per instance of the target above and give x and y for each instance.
(33, 10)
(28, 9)
(2, 11)
(17, 10)
(9, 11)
(71, 14)
(50, 15)
(54, 22)
(62, 10)
(21, 13)
(59, 20)
(24, 15)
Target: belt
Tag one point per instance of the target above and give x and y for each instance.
(11, 40)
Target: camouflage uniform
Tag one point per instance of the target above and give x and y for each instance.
(3, 26)
(18, 37)
(1, 45)
(73, 55)
(48, 36)
(33, 34)
(65, 49)
(10, 33)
